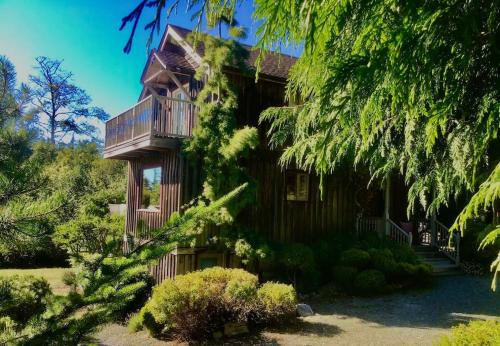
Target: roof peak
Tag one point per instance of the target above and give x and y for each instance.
(187, 31)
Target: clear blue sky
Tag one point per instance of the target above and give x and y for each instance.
(84, 33)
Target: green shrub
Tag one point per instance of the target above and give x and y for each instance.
(355, 258)
(22, 297)
(409, 274)
(476, 333)
(198, 304)
(8, 330)
(275, 301)
(91, 234)
(135, 323)
(369, 282)
(327, 251)
(344, 275)
(383, 260)
(404, 253)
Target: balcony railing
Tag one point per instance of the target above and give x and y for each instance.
(158, 117)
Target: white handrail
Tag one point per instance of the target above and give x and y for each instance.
(398, 234)
(370, 224)
(447, 242)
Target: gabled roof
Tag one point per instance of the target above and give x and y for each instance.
(275, 65)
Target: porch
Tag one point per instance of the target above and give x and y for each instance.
(430, 235)
(155, 123)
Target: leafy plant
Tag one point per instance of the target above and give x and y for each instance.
(475, 333)
(298, 261)
(197, 304)
(355, 258)
(22, 297)
(91, 234)
(369, 282)
(276, 302)
(344, 276)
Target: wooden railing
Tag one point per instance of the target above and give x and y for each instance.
(159, 117)
(398, 234)
(369, 225)
(447, 242)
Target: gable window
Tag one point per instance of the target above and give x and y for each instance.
(297, 186)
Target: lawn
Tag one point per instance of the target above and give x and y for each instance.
(52, 275)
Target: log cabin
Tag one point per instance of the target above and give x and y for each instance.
(289, 207)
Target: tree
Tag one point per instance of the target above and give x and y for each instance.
(409, 87)
(61, 107)
(25, 202)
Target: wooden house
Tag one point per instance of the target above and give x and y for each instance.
(289, 208)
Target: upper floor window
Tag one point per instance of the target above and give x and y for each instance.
(297, 186)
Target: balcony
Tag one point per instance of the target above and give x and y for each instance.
(155, 123)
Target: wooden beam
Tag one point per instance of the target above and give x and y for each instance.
(156, 74)
(174, 78)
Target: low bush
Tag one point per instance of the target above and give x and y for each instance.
(355, 258)
(298, 260)
(197, 304)
(344, 276)
(8, 330)
(275, 301)
(383, 260)
(369, 282)
(22, 297)
(404, 253)
(409, 274)
(476, 333)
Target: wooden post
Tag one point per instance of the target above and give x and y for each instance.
(433, 230)
(134, 195)
(387, 204)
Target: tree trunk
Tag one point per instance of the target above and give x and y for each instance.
(52, 130)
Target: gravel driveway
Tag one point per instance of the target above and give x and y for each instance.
(410, 318)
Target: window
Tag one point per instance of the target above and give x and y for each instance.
(297, 186)
(151, 188)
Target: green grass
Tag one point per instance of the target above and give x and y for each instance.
(52, 275)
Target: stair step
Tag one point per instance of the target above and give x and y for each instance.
(430, 255)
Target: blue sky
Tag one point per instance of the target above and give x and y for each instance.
(84, 33)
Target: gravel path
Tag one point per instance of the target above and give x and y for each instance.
(410, 318)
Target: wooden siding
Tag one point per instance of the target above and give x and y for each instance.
(282, 220)
(134, 193)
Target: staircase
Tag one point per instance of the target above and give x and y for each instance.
(441, 264)
(440, 248)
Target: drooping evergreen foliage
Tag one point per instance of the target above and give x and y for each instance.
(484, 199)
(217, 144)
(409, 87)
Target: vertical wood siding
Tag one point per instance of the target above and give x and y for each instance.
(134, 193)
(305, 221)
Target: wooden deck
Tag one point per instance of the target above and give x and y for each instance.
(155, 123)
